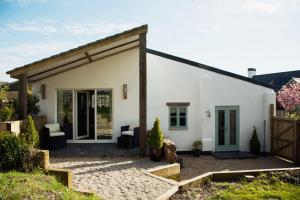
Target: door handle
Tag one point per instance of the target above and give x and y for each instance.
(226, 129)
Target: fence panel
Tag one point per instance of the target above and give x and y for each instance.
(285, 138)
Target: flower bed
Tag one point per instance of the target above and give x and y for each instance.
(273, 185)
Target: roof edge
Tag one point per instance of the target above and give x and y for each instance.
(209, 68)
(135, 31)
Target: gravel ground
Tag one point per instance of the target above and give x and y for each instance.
(114, 177)
(197, 166)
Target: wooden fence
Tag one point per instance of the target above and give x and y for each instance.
(285, 136)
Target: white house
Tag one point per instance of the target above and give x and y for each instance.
(112, 82)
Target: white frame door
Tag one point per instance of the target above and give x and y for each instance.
(74, 97)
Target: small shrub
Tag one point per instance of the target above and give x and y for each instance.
(156, 136)
(197, 144)
(6, 113)
(29, 134)
(11, 151)
(254, 143)
(31, 160)
(32, 104)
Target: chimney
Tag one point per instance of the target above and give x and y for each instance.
(251, 72)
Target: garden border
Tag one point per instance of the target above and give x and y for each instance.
(203, 179)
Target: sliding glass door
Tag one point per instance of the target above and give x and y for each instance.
(90, 110)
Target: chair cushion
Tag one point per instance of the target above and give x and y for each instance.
(53, 127)
(130, 133)
(132, 125)
(56, 133)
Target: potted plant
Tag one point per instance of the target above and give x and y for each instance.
(155, 142)
(254, 143)
(197, 148)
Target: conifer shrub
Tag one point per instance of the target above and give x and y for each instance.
(156, 136)
(30, 135)
(254, 143)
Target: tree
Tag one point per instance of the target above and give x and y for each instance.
(289, 96)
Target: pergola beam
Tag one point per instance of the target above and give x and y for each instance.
(87, 55)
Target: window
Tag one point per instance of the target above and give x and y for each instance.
(178, 115)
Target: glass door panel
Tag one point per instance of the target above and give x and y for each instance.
(65, 111)
(104, 115)
(232, 126)
(82, 114)
(227, 128)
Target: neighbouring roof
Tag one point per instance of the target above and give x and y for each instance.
(209, 68)
(80, 55)
(277, 80)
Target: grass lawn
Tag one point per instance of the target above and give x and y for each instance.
(263, 187)
(16, 185)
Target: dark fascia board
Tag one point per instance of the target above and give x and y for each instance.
(209, 68)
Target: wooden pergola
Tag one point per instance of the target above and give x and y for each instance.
(85, 54)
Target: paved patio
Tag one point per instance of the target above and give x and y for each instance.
(94, 149)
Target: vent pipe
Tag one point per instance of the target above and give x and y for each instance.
(251, 72)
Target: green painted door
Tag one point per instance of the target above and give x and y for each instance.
(227, 128)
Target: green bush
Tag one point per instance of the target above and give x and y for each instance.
(29, 133)
(11, 151)
(197, 144)
(156, 136)
(32, 104)
(6, 113)
(31, 160)
(254, 143)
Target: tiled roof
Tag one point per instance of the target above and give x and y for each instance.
(277, 80)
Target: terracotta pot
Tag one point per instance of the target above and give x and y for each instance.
(155, 154)
(196, 152)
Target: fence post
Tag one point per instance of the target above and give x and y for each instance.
(295, 137)
(272, 114)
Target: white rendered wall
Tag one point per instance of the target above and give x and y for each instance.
(108, 73)
(172, 81)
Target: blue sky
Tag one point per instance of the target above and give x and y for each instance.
(229, 34)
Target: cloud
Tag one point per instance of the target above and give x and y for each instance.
(261, 6)
(24, 3)
(32, 27)
(46, 26)
(96, 28)
(233, 7)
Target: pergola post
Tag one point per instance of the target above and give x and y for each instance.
(143, 93)
(23, 95)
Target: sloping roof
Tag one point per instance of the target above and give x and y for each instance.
(277, 80)
(209, 68)
(82, 52)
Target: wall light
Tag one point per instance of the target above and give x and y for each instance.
(43, 91)
(208, 113)
(124, 91)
